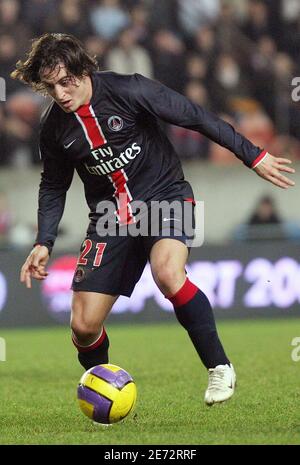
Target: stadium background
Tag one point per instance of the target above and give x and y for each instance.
(237, 58)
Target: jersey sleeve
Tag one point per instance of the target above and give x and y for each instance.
(172, 107)
(56, 178)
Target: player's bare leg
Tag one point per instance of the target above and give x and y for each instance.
(168, 259)
(89, 311)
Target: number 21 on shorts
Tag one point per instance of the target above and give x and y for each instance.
(87, 246)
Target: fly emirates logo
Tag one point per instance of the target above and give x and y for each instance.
(108, 166)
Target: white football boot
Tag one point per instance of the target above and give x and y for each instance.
(221, 384)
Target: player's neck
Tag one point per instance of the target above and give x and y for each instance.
(88, 90)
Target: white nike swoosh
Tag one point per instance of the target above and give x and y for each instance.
(171, 219)
(66, 146)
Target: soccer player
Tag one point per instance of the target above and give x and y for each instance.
(105, 125)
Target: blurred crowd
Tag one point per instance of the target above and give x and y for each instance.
(234, 57)
(266, 223)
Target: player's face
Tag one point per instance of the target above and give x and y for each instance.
(68, 91)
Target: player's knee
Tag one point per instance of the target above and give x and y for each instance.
(168, 277)
(84, 330)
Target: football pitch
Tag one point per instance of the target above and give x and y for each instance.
(38, 387)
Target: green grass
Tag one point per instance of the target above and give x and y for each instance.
(38, 402)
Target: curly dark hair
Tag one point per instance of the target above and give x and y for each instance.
(47, 52)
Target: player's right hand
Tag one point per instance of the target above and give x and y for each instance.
(34, 266)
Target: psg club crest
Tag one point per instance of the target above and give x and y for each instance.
(115, 123)
(79, 275)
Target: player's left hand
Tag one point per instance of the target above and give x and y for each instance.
(270, 169)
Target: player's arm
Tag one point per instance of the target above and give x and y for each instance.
(56, 179)
(174, 108)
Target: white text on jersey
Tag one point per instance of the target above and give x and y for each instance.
(109, 166)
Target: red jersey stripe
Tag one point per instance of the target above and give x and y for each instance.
(95, 137)
(123, 196)
(92, 130)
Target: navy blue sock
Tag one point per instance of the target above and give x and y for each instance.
(194, 312)
(95, 354)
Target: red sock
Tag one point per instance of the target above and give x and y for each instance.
(184, 295)
(92, 346)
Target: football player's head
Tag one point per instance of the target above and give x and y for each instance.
(59, 66)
